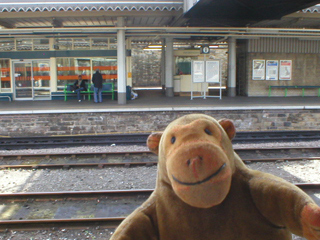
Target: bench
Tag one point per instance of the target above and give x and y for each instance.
(106, 88)
(294, 87)
(68, 91)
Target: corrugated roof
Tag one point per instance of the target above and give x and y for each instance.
(81, 5)
(312, 9)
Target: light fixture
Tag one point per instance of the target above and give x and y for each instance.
(154, 46)
(152, 49)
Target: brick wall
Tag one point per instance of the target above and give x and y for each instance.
(103, 123)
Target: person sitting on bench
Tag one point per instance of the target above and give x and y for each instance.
(82, 87)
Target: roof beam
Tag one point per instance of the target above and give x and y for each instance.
(176, 32)
(6, 24)
(56, 23)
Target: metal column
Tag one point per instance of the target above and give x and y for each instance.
(169, 67)
(121, 58)
(231, 67)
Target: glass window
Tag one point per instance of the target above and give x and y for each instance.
(5, 73)
(7, 45)
(69, 69)
(41, 73)
(24, 44)
(63, 44)
(100, 43)
(113, 43)
(183, 65)
(107, 67)
(41, 44)
(81, 43)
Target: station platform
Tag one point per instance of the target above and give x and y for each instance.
(152, 111)
(153, 100)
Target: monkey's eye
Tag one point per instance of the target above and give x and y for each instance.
(207, 131)
(173, 139)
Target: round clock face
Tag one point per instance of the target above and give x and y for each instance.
(205, 49)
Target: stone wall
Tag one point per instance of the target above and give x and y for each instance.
(145, 67)
(24, 125)
(222, 55)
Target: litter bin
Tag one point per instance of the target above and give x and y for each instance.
(128, 92)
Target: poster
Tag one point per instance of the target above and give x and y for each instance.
(285, 72)
(213, 71)
(258, 69)
(272, 67)
(197, 71)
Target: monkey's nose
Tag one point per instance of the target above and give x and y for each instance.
(194, 161)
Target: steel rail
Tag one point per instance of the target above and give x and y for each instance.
(128, 164)
(280, 159)
(110, 222)
(76, 193)
(63, 194)
(273, 148)
(128, 154)
(100, 165)
(74, 154)
(104, 154)
(140, 138)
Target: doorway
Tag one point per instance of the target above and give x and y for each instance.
(31, 80)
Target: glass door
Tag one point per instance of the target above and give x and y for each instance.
(23, 83)
(41, 79)
(32, 80)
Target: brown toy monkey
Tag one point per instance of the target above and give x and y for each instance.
(205, 192)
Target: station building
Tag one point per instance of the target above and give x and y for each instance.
(143, 44)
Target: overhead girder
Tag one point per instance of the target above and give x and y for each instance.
(175, 32)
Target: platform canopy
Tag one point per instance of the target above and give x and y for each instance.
(151, 20)
(149, 13)
(242, 12)
(85, 13)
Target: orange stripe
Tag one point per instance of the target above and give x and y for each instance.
(70, 77)
(5, 79)
(86, 77)
(41, 77)
(105, 68)
(87, 68)
(111, 76)
(72, 68)
(39, 69)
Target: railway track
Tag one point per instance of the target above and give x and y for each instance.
(140, 138)
(58, 209)
(104, 209)
(75, 209)
(134, 158)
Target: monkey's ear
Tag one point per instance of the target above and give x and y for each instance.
(228, 127)
(153, 142)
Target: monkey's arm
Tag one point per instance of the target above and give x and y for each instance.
(285, 205)
(140, 224)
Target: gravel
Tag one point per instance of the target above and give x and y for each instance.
(76, 179)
